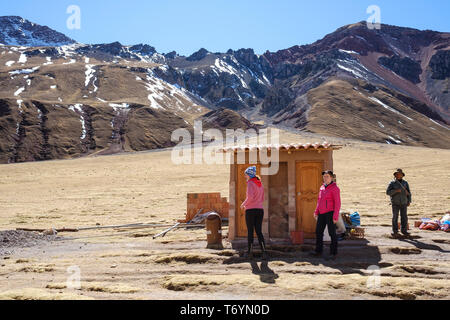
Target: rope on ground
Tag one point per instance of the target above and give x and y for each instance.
(111, 235)
(124, 226)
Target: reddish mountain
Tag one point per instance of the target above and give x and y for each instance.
(62, 99)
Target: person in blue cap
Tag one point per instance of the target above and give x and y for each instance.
(254, 211)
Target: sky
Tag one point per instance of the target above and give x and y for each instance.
(218, 25)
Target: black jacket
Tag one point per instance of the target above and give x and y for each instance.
(401, 198)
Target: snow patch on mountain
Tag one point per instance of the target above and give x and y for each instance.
(19, 91)
(68, 50)
(49, 61)
(90, 72)
(155, 87)
(72, 61)
(164, 95)
(24, 71)
(23, 58)
(77, 108)
(441, 125)
(389, 108)
(348, 51)
(117, 106)
(395, 140)
(222, 66)
(19, 105)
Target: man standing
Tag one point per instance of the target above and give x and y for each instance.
(400, 195)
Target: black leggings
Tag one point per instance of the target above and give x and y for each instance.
(254, 219)
(323, 221)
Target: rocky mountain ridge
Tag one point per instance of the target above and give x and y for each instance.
(388, 85)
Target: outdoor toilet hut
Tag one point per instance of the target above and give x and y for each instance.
(290, 195)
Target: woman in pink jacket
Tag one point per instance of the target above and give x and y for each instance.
(327, 214)
(254, 211)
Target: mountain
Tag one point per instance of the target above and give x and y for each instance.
(17, 31)
(69, 100)
(402, 59)
(223, 119)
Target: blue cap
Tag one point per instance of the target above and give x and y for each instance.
(251, 172)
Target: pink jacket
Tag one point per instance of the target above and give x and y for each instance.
(255, 195)
(329, 200)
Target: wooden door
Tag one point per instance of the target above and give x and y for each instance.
(241, 192)
(308, 183)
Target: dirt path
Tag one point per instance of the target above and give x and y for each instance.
(148, 188)
(414, 268)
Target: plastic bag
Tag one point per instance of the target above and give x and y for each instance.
(445, 218)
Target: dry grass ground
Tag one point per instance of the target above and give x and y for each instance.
(147, 187)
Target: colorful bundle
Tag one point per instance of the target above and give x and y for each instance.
(430, 225)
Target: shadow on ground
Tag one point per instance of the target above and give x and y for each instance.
(352, 259)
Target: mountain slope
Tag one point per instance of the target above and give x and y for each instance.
(17, 31)
(400, 58)
(388, 86)
(331, 110)
(34, 131)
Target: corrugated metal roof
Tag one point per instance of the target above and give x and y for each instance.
(283, 147)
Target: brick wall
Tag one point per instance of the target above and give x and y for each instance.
(207, 202)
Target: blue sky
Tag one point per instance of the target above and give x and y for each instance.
(218, 25)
